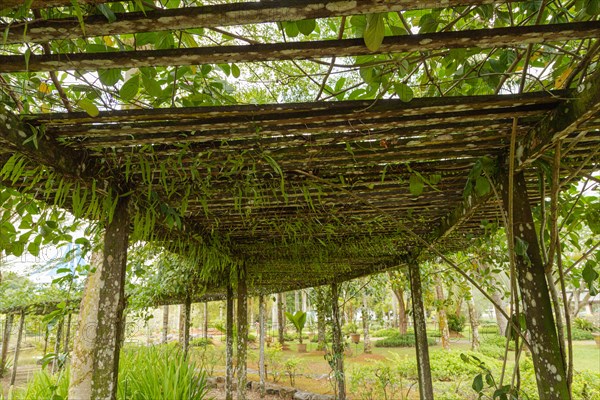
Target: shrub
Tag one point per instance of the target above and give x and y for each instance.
(200, 342)
(159, 373)
(489, 329)
(583, 324)
(398, 340)
(384, 332)
(273, 358)
(456, 323)
(292, 366)
(377, 381)
(581, 334)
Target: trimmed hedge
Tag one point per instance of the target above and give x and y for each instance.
(398, 340)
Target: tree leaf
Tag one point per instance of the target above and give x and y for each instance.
(306, 26)
(588, 273)
(235, 71)
(416, 185)
(88, 107)
(107, 12)
(110, 77)
(478, 383)
(291, 29)
(404, 92)
(374, 32)
(482, 186)
(130, 88)
(152, 86)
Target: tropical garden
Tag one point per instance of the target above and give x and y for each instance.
(299, 199)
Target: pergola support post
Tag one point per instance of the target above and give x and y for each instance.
(68, 333)
(242, 329)
(420, 327)
(229, 344)
(17, 348)
(57, 342)
(545, 348)
(262, 310)
(95, 360)
(337, 346)
(185, 334)
(205, 328)
(280, 319)
(165, 324)
(5, 341)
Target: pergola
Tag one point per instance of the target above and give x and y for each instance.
(291, 195)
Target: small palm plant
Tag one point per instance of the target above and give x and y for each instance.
(299, 320)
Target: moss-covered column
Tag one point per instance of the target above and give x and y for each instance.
(95, 361)
(547, 358)
(185, 334)
(68, 334)
(280, 319)
(337, 346)
(229, 344)
(165, 324)
(262, 310)
(57, 343)
(5, 342)
(420, 327)
(17, 348)
(242, 329)
(205, 329)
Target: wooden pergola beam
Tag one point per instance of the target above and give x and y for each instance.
(44, 150)
(37, 4)
(570, 117)
(211, 16)
(478, 38)
(566, 119)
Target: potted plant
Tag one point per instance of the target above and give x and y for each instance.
(298, 319)
(352, 331)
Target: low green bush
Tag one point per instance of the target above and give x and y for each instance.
(583, 324)
(581, 334)
(398, 340)
(200, 342)
(456, 323)
(488, 328)
(160, 372)
(384, 332)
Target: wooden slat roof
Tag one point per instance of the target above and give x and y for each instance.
(297, 189)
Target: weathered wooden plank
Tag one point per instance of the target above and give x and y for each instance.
(45, 149)
(213, 16)
(418, 105)
(480, 38)
(567, 119)
(37, 4)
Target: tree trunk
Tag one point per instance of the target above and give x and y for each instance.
(46, 337)
(186, 310)
(338, 346)
(59, 329)
(304, 301)
(442, 317)
(95, 360)
(365, 324)
(547, 358)
(321, 307)
(205, 328)
(17, 348)
(458, 308)
(68, 334)
(296, 301)
(181, 327)
(500, 319)
(6, 342)
(473, 320)
(420, 328)
(402, 315)
(242, 329)
(165, 325)
(229, 345)
(280, 318)
(261, 343)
